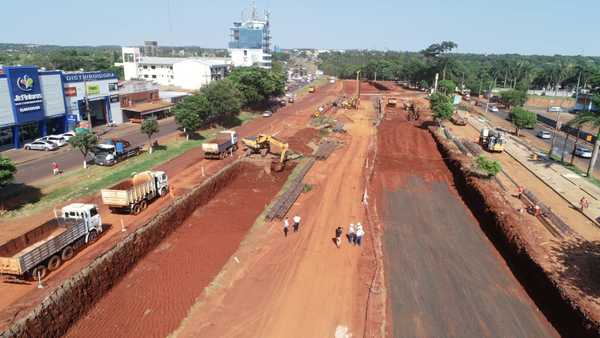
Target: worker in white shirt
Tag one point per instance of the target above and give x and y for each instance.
(359, 234)
(286, 227)
(351, 233)
(296, 223)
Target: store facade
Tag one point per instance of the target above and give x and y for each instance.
(32, 105)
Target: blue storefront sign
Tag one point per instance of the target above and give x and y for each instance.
(26, 93)
(89, 76)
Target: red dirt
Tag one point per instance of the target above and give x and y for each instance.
(300, 140)
(184, 172)
(153, 298)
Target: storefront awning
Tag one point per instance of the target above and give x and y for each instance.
(149, 107)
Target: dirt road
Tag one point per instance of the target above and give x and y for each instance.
(302, 285)
(444, 277)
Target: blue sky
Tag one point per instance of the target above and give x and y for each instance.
(510, 26)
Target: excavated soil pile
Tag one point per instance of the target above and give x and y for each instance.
(146, 293)
(510, 236)
(299, 141)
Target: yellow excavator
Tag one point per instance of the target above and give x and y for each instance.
(264, 144)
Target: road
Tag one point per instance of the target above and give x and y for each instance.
(69, 159)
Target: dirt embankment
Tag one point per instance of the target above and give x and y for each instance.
(510, 236)
(78, 295)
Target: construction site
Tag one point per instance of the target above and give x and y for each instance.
(446, 252)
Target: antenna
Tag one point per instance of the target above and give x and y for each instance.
(253, 10)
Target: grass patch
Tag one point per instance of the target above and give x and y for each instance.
(582, 173)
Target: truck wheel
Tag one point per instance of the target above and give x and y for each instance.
(54, 262)
(93, 236)
(143, 205)
(235, 147)
(136, 209)
(67, 253)
(163, 191)
(39, 272)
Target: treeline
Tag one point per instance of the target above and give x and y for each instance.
(475, 71)
(221, 101)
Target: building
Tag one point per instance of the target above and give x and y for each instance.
(96, 93)
(150, 48)
(32, 105)
(584, 102)
(173, 96)
(140, 100)
(186, 73)
(251, 41)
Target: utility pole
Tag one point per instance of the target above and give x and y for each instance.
(357, 88)
(87, 106)
(437, 76)
(375, 76)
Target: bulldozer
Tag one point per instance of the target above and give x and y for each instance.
(263, 144)
(492, 140)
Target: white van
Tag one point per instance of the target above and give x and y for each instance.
(554, 109)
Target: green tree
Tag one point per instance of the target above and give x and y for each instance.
(84, 141)
(513, 98)
(591, 118)
(149, 127)
(490, 167)
(447, 87)
(224, 100)
(439, 53)
(441, 106)
(257, 85)
(7, 171)
(191, 113)
(521, 118)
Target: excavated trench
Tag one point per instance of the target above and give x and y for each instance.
(500, 225)
(145, 284)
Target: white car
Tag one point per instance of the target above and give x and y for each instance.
(494, 109)
(68, 135)
(543, 134)
(583, 152)
(41, 145)
(58, 139)
(267, 113)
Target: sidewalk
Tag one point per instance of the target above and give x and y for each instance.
(563, 181)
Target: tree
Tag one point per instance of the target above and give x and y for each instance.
(7, 171)
(447, 87)
(438, 52)
(521, 118)
(441, 106)
(149, 127)
(256, 85)
(224, 100)
(191, 113)
(591, 118)
(490, 167)
(85, 141)
(513, 98)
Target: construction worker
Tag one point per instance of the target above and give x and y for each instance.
(351, 233)
(360, 232)
(520, 191)
(286, 227)
(296, 223)
(583, 204)
(338, 236)
(55, 169)
(537, 211)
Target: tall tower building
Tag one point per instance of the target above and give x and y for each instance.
(251, 41)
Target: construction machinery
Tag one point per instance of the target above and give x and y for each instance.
(311, 89)
(264, 144)
(350, 103)
(492, 140)
(391, 102)
(133, 195)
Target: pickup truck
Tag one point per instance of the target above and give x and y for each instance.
(45, 248)
(134, 194)
(225, 143)
(111, 152)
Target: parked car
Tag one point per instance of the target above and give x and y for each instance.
(554, 109)
(583, 152)
(494, 109)
(543, 134)
(41, 145)
(58, 139)
(68, 135)
(267, 113)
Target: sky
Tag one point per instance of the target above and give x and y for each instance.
(478, 26)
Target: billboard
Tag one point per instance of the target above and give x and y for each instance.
(26, 93)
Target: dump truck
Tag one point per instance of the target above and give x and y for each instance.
(492, 140)
(112, 151)
(221, 146)
(133, 195)
(31, 255)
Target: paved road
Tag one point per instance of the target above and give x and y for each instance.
(69, 159)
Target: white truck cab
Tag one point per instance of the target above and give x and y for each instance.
(162, 182)
(87, 212)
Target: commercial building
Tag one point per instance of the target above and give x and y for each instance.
(250, 43)
(96, 93)
(186, 73)
(32, 105)
(141, 100)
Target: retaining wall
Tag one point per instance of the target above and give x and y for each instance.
(70, 301)
(501, 224)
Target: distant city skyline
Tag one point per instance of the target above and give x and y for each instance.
(520, 27)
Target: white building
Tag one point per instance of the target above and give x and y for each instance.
(251, 42)
(186, 73)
